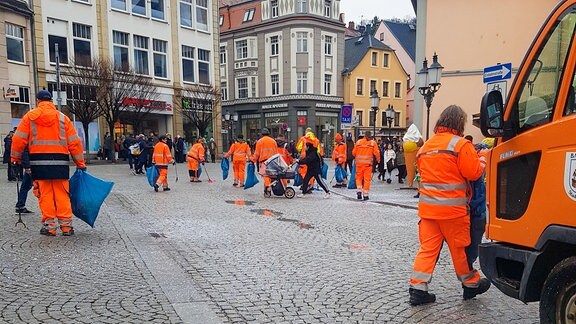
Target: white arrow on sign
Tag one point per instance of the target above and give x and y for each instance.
(503, 72)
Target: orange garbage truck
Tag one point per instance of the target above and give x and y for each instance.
(531, 178)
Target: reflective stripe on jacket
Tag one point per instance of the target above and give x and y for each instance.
(339, 153)
(197, 152)
(161, 156)
(240, 151)
(446, 163)
(51, 139)
(265, 148)
(365, 151)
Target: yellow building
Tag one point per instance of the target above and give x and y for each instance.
(369, 66)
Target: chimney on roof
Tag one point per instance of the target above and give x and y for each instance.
(351, 25)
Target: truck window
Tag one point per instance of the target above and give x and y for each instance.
(571, 101)
(539, 90)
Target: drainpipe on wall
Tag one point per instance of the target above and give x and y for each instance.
(34, 53)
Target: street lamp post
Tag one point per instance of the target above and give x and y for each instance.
(374, 102)
(428, 84)
(231, 119)
(390, 112)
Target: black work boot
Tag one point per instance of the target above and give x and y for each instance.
(483, 286)
(420, 297)
(359, 195)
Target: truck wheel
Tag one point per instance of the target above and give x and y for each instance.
(558, 298)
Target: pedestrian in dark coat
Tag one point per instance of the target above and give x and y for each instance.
(108, 146)
(6, 157)
(349, 155)
(180, 148)
(26, 184)
(143, 157)
(129, 141)
(314, 170)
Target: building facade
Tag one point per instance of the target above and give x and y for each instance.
(370, 66)
(280, 65)
(16, 63)
(174, 43)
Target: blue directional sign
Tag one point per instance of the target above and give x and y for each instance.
(346, 115)
(497, 73)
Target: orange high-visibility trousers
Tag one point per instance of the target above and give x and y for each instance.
(239, 171)
(410, 167)
(432, 233)
(162, 177)
(267, 180)
(54, 200)
(363, 178)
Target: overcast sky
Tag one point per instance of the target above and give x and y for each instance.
(355, 10)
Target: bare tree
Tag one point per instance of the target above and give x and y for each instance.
(198, 102)
(145, 100)
(119, 88)
(81, 81)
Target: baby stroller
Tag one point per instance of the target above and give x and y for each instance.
(278, 170)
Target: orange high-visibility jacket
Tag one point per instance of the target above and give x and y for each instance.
(51, 138)
(265, 148)
(446, 163)
(339, 153)
(197, 152)
(240, 151)
(283, 151)
(365, 151)
(308, 138)
(161, 156)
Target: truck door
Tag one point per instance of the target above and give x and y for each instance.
(534, 162)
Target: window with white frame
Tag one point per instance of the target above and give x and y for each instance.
(203, 66)
(275, 78)
(301, 42)
(15, 43)
(139, 7)
(186, 13)
(157, 9)
(202, 15)
(397, 89)
(21, 105)
(328, 8)
(224, 90)
(359, 87)
(385, 89)
(274, 46)
(223, 55)
(121, 41)
(396, 119)
(241, 49)
(119, 4)
(328, 45)
(360, 117)
(62, 48)
(141, 55)
(374, 59)
(159, 48)
(301, 6)
(248, 15)
(274, 8)
(188, 63)
(327, 84)
(253, 86)
(242, 88)
(372, 86)
(301, 82)
(386, 60)
(82, 36)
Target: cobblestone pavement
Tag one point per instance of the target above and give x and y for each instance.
(212, 253)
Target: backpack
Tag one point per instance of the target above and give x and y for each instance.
(135, 149)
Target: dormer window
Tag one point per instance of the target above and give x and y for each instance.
(328, 8)
(249, 15)
(274, 8)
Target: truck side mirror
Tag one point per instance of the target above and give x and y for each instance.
(491, 114)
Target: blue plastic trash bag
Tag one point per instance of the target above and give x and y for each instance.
(152, 175)
(352, 182)
(225, 165)
(87, 193)
(324, 171)
(339, 173)
(251, 179)
(297, 177)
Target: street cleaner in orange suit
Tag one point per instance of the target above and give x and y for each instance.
(162, 158)
(195, 156)
(365, 150)
(339, 158)
(446, 162)
(240, 152)
(51, 139)
(265, 148)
